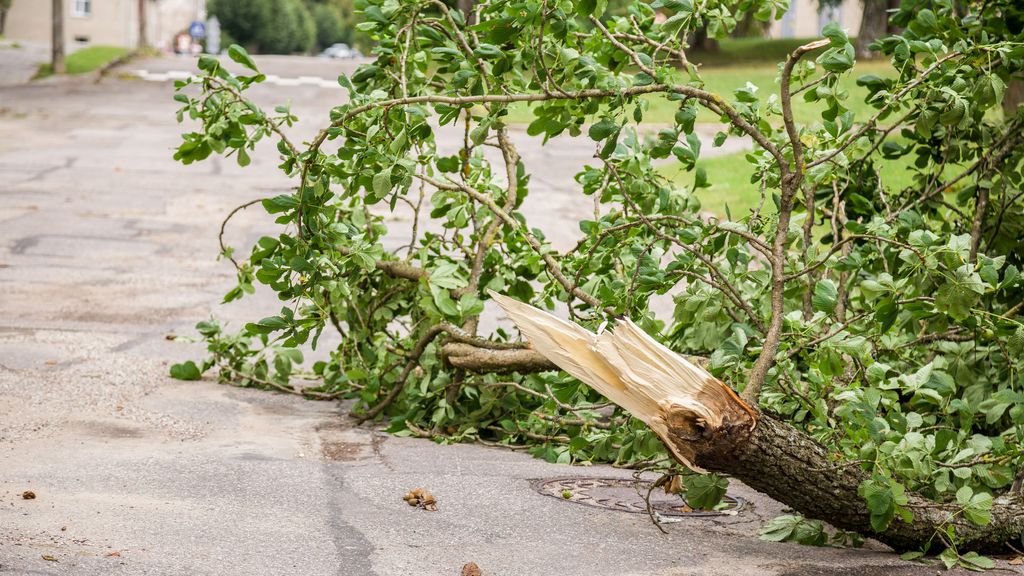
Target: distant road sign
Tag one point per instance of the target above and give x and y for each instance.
(197, 29)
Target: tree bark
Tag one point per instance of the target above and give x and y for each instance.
(873, 25)
(486, 361)
(784, 463)
(481, 360)
(57, 44)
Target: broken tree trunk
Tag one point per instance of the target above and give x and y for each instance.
(707, 427)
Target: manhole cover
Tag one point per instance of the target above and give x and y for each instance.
(621, 494)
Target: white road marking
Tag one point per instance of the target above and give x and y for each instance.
(271, 78)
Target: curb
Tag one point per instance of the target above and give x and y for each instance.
(106, 68)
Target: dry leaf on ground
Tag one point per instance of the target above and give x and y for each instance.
(420, 498)
(471, 569)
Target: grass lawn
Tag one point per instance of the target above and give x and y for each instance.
(86, 60)
(730, 183)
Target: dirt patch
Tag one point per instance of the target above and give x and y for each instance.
(341, 451)
(109, 430)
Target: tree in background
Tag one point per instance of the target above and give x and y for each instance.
(57, 38)
(267, 26)
(291, 29)
(5, 5)
(330, 26)
(874, 23)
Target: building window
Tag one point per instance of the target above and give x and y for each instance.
(81, 8)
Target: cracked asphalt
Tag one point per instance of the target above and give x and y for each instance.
(107, 246)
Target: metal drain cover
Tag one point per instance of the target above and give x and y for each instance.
(621, 494)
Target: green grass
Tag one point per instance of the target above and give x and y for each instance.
(730, 175)
(86, 60)
(93, 57)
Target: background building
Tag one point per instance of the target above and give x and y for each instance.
(804, 20)
(103, 22)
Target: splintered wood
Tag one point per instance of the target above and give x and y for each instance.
(683, 403)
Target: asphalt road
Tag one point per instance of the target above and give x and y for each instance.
(107, 246)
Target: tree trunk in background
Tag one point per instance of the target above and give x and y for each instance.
(751, 27)
(873, 25)
(466, 6)
(1014, 97)
(702, 42)
(57, 52)
(5, 5)
(143, 41)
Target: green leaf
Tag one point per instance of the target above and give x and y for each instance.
(825, 296)
(238, 54)
(677, 6)
(838, 59)
(443, 300)
(186, 371)
(280, 203)
(603, 129)
(685, 118)
(780, 528)
(448, 276)
(586, 7)
(449, 163)
(886, 313)
(955, 300)
(267, 325)
(836, 34)
(881, 498)
(794, 528)
(382, 183)
(705, 491)
(977, 507)
(208, 64)
(949, 558)
(975, 561)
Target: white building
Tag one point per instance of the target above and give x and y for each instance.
(804, 20)
(103, 22)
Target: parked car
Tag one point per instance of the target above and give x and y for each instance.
(343, 51)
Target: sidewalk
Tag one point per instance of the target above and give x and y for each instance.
(19, 61)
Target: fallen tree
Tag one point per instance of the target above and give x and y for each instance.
(865, 305)
(707, 427)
